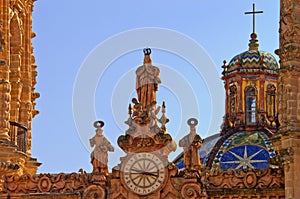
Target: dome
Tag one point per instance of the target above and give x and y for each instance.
(252, 61)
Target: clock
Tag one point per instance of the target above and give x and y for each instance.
(144, 173)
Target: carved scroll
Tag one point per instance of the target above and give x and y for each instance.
(190, 191)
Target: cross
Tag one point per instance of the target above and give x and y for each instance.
(253, 13)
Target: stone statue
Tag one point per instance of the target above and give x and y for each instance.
(191, 144)
(99, 156)
(153, 111)
(147, 80)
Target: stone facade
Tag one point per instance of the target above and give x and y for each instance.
(145, 171)
(17, 93)
(287, 139)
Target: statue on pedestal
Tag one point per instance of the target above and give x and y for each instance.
(191, 144)
(99, 156)
(147, 80)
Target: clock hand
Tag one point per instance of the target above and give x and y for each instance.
(150, 174)
(144, 172)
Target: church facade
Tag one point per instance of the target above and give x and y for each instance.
(254, 156)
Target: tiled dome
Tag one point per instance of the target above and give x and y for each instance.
(252, 60)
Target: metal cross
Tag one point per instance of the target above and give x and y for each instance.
(253, 13)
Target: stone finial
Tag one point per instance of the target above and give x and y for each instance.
(129, 121)
(224, 67)
(253, 45)
(99, 156)
(163, 119)
(191, 144)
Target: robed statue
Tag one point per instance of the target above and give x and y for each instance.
(147, 80)
(99, 156)
(191, 144)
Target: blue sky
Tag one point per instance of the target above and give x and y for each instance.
(70, 34)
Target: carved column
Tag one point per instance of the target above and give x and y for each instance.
(240, 101)
(289, 92)
(26, 105)
(28, 96)
(4, 73)
(226, 99)
(262, 97)
(32, 73)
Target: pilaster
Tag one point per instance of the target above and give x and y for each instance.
(4, 74)
(289, 97)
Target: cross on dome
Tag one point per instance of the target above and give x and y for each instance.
(254, 12)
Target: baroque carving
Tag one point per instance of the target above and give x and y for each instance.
(233, 100)
(146, 143)
(190, 191)
(117, 191)
(94, 192)
(2, 41)
(287, 53)
(190, 173)
(242, 179)
(283, 158)
(289, 31)
(55, 183)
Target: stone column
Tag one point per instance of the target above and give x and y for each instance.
(16, 87)
(4, 73)
(262, 97)
(25, 103)
(289, 93)
(28, 79)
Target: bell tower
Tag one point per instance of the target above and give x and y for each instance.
(251, 84)
(250, 81)
(17, 92)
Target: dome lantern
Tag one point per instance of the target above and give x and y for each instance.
(247, 79)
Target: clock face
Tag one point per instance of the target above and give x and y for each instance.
(144, 173)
